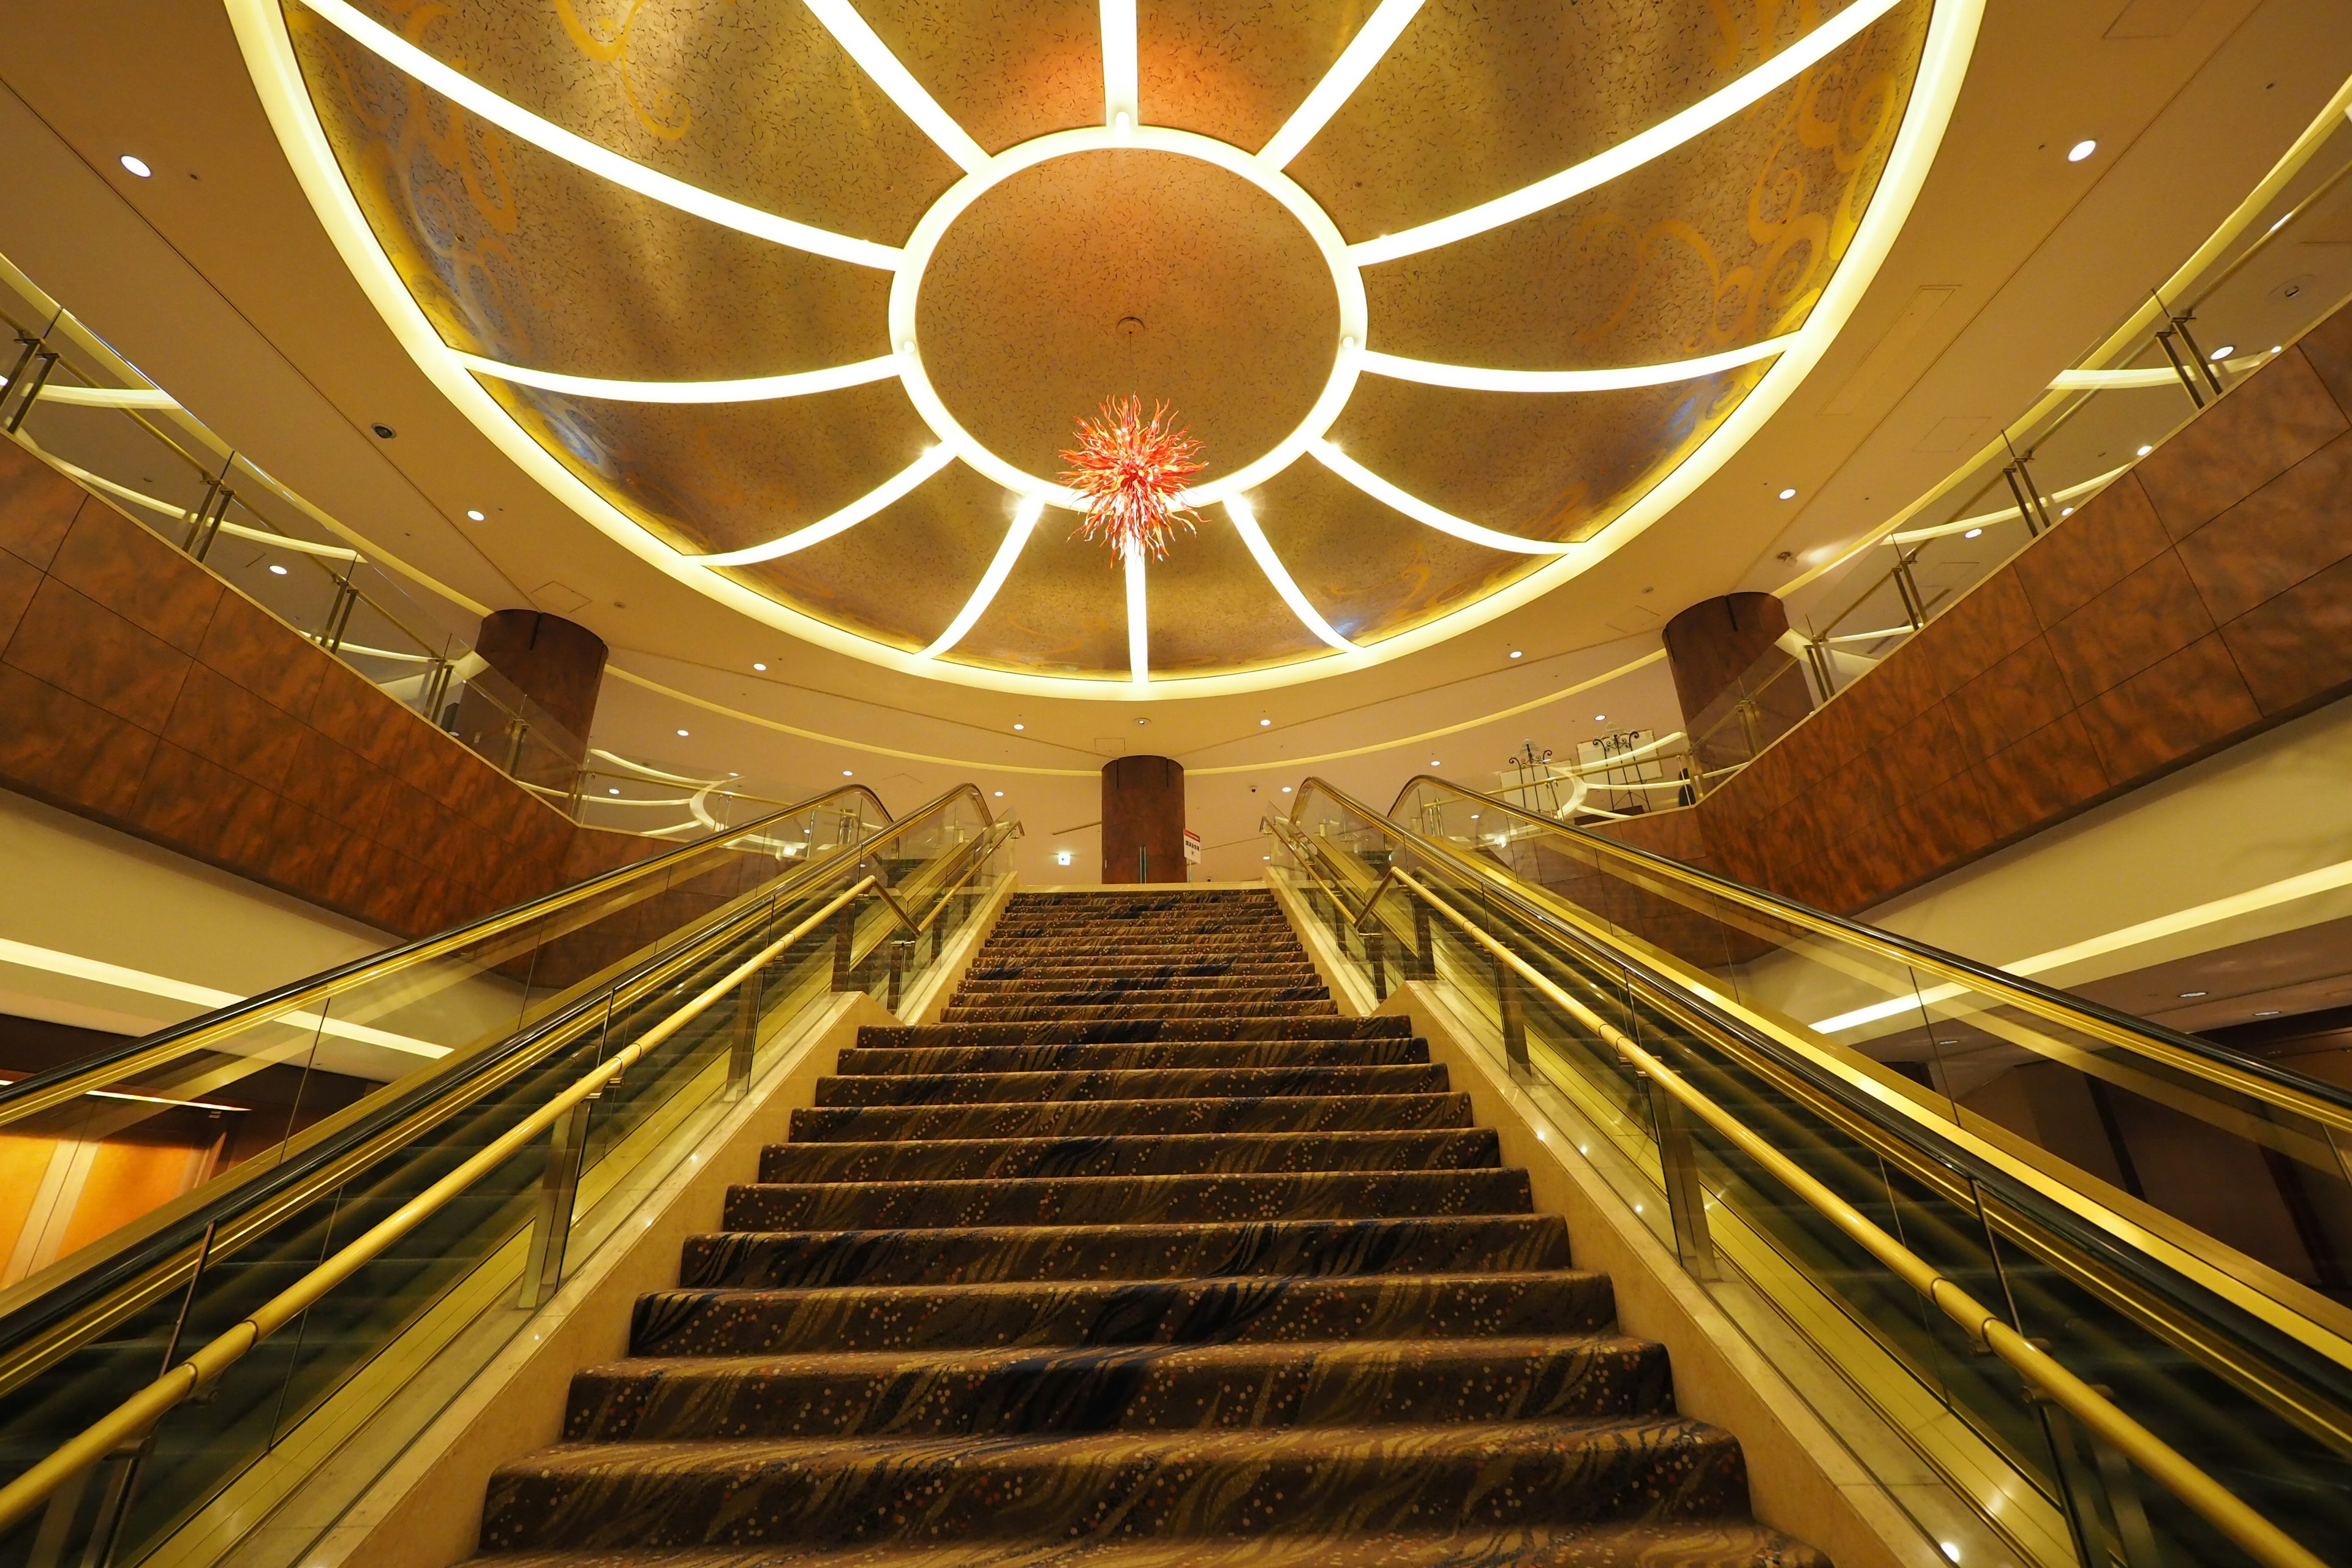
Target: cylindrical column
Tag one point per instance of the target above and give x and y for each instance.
(531, 715)
(1739, 688)
(1142, 821)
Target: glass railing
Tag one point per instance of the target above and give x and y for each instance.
(2044, 1368)
(411, 1210)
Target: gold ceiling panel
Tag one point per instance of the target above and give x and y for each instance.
(1236, 74)
(1213, 612)
(755, 102)
(1062, 612)
(1006, 73)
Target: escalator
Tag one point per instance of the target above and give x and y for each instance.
(529, 1078)
(2079, 1266)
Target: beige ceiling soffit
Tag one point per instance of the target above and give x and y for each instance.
(749, 389)
(1908, 323)
(548, 137)
(1420, 512)
(262, 36)
(1000, 567)
(1371, 43)
(1601, 680)
(2127, 336)
(1634, 151)
(781, 728)
(1477, 378)
(1244, 521)
(896, 487)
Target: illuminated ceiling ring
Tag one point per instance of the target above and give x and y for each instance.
(1347, 282)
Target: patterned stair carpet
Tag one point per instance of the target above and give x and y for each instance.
(1144, 1255)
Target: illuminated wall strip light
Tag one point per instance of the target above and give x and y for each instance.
(1138, 622)
(2110, 380)
(74, 966)
(2327, 879)
(874, 58)
(750, 389)
(1477, 378)
(1245, 522)
(548, 137)
(1635, 151)
(1024, 520)
(172, 509)
(1371, 43)
(652, 772)
(104, 396)
(847, 518)
(1420, 511)
(1122, 91)
(2009, 514)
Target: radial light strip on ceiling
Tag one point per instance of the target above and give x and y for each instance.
(1420, 511)
(1138, 622)
(749, 389)
(1245, 522)
(548, 137)
(1477, 378)
(1371, 43)
(891, 490)
(1024, 520)
(1635, 151)
(874, 58)
(1122, 88)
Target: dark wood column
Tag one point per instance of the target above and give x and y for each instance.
(1142, 821)
(1738, 689)
(559, 667)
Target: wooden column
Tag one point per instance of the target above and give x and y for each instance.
(1142, 821)
(559, 667)
(1738, 689)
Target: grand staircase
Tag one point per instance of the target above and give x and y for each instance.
(1143, 1256)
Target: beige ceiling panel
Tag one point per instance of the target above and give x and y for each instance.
(728, 475)
(1005, 72)
(755, 102)
(1481, 97)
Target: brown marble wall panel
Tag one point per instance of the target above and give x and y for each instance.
(2204, 596)
(138, 689)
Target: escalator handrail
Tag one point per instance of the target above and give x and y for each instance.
(29, 1095)
(2322, 1102)
(171, 1250)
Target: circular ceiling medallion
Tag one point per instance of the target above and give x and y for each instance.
(1024, 269)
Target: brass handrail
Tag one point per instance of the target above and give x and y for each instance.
(2210, 1064)
(2175, 1471)
(133, 1418)
(32, 1095)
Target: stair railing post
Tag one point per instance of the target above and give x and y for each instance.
(845, 934)
(745, 1043)
(1424, 956)
(1685, 1197)
(559, 1186)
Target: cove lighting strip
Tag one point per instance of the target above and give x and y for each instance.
(263, 37)
(1420, 511)
(749, 389)
(1245, 522)
(1024, 522)
(1475, 378)
(1634, 151)
(1122, 88)
(892, 490)
(2009, 514)
(49, 961)
(2113, 379)
(548, 137)
(1138, 622)
(103, 396)
(1366, 49)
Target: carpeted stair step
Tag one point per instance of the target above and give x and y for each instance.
(1134, 1031)
(1148, 1388)
(1212, 1311)
(1440, 1244)
(1117, 1200)
(1007, 1158)
(1118, 988)
(1686, 1543)
(1191, 1485)
(1171, 1083)
(1141, 967)
(858, 1060)
(1133, 1118)
(1094, 1012)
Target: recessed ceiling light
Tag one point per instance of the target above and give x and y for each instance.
(847, 772)
(1789, 494)
(2268, 1012)
(1515, 653)
(1265, 857)
(136, 166)
(611, 791)
(2081, 150)
(1285, 789)
(756, 665)
(2065, 511)
(1000, 794)
(1972, 533)
(1435, 763)
(2187, 996)
(2144, 451)
(681, 733)
(277, 571)
(2224, 352)
(1600, 718)
(1263, 722)
(1143, 721)
(474, 514)
(1019, 725)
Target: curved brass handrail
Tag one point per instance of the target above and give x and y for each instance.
(28, 1096)
(2200, 1058)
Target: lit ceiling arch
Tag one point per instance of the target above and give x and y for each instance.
(268, 48)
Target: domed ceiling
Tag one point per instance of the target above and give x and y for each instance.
(802, 299)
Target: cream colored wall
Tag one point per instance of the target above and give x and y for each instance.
(76, 887)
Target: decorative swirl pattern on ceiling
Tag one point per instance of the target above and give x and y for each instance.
(798, 300)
